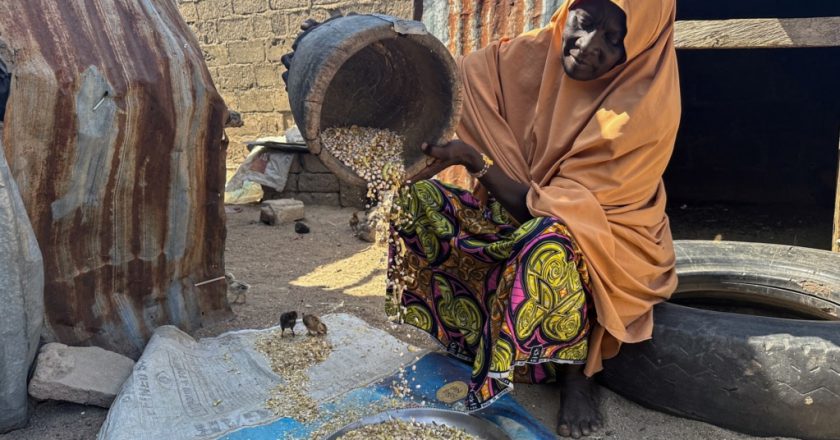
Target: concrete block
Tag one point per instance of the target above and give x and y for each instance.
(268, 75)
(312, 164)
(284, 5)
(206, 32)
(262, 26)
(189, 12)
(256, 100)
(236, 77)
(245, 52)
(292, 182)
(318, 183)
(322, 199)
(279, 24)
(277, 47)
(233, 29)
(85, 375)
(352, 196)
(285, 210)
(212, 9)
(250, 6)
(215, 55)
(297, 166)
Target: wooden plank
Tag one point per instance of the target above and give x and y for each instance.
(836, 237)
(758, 33)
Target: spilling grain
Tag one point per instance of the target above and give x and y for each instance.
(375, 155)
(407, 430)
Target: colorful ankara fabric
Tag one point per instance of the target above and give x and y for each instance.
(493, 293)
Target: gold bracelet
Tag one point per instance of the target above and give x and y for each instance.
(487, 164)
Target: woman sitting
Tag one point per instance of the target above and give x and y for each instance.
(560, 253)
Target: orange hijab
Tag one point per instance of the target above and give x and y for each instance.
(593, 153)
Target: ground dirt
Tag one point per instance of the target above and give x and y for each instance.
(329, 270)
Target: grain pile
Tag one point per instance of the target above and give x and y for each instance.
(407, 430)
(290, 357)
(346, 416)
(375, 155)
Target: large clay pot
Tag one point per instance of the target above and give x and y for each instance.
(374, 71)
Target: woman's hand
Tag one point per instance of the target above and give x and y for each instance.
(443, 156)
(510, 193)
(455, 153)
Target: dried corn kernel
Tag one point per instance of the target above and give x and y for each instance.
(407, 430)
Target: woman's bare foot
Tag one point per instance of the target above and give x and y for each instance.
(580, 413)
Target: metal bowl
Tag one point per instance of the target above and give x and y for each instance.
(470, 424)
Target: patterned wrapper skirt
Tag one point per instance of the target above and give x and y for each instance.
(512, 300)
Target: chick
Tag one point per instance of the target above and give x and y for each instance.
(237, 288)
(288, 321)
(354, 223)
(314, 326)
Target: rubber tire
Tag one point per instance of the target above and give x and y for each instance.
(759, 375)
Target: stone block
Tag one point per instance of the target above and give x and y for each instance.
(296, 165)
(277, 47)
(212, 9)
(215, 55)
(312, 164)
(323, 199)
(352, 196)
(286, 210)
(262, 27)
(318, 183)
(279, 24)
(245, 7)
(256, 100)
(205, 32)
(235, 77)
(281, 98)
(233, 29)
(84, 375)
(245, 52)
(268, 75)
(285, 5)
(292, 182)
(189, 12)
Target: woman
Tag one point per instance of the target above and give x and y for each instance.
(568, 129)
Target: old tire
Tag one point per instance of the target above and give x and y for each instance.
(722, 354)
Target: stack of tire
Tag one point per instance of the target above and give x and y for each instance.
(750, 341)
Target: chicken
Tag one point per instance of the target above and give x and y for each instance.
(288, 321)
(314, 326)
(237, 288)
(354, 223)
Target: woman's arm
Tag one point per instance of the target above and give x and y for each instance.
(510, 193)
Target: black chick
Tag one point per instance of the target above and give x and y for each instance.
(288, 321)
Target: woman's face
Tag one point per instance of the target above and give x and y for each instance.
(593, 39)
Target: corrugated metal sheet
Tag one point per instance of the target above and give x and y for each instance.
(467, 25)
(113, 133)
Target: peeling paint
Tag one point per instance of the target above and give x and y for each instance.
(113, 130)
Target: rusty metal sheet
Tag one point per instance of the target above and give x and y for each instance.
(467, 25)
(113, 133)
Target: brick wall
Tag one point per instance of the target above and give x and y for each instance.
(243, 41)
